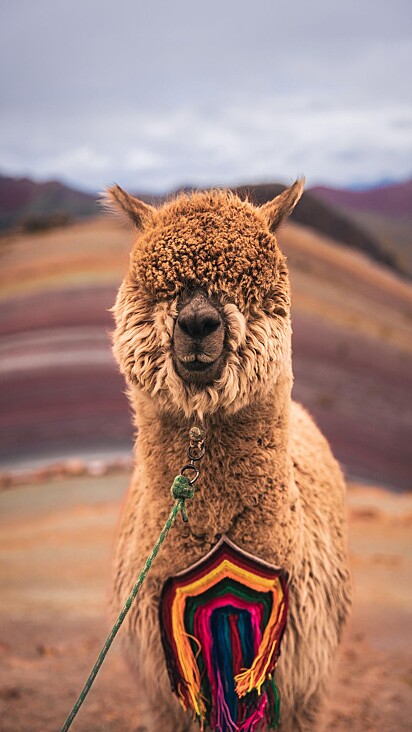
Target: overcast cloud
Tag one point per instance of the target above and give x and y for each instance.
(159, 94)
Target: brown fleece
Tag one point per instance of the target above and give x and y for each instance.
(269, 480)
(198, 241)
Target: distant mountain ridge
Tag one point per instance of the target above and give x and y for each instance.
(384, 212)
(21, 198)
(333, 212)
(394, 200)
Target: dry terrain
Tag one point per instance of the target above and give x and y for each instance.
(55, 551)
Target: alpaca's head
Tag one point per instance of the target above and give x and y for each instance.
(203, 314)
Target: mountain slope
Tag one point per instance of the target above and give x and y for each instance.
(21, 198)
(393, 200)
(385, 213)
(62, 395)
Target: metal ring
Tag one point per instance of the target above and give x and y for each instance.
(190, 467)
(190, 455)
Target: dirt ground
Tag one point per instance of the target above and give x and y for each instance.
(55, 551)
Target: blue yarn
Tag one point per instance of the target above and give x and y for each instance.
(222, 652)
(222, 656)
(244, 625)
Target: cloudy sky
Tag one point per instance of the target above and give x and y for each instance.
(157, 94)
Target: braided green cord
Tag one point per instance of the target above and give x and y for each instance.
(181, 490)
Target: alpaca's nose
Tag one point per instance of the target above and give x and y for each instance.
(199, 322)
(199, 319)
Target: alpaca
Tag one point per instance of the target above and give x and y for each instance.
(203, 332)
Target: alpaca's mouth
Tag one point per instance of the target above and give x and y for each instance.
(198, 372)
(197, 365)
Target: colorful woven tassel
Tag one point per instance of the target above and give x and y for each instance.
(222, 622)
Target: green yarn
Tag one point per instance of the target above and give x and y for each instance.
(181, 490)
(276, 699)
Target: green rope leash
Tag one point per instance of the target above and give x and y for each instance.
(181, 490)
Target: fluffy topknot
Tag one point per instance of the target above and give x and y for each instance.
(211, 240)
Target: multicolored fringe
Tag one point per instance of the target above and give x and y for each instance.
(222, 621)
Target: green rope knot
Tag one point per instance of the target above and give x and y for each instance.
(181, 490)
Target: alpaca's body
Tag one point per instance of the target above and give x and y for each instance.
(270, 483)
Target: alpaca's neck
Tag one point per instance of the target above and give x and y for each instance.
(246, 474)
(260, 427)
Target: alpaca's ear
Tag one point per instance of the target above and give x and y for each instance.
(282, 206)
(116, 199)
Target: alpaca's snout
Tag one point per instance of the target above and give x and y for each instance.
(198, 323)
(198, 339)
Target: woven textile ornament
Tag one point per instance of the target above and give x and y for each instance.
(222, 622)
